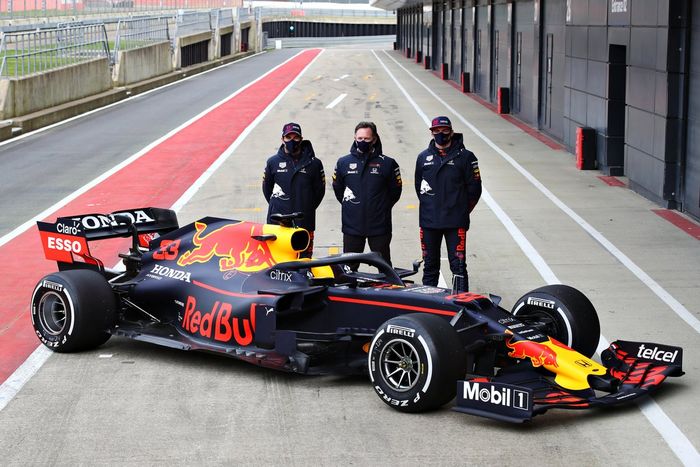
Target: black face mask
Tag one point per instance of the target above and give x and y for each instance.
(442, 139)
(291, 146)
(364, 146)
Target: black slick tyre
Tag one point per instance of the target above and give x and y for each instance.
(415, 361)
(73, 310)
(564, 313)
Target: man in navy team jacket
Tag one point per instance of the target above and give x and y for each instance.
(448, 185)
(367, 184)
(294, 181)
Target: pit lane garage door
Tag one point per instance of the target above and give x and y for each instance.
(482, 47)
(457, 43)
(553, 62)
(524, 101)
(691, 196)
(501, 49)
(439, 46)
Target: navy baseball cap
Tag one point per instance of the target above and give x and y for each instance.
(440, 121)
(291, 127)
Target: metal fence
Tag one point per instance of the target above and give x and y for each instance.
(325, 12)
(37, 51)
(139, 32)
(192, 22)
(288, 13)
(223, 17)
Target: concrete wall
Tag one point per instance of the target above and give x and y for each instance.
(218, 39)
(691, 186)
(627, 74)
(627, 68)
(142, 63)
(184, 41)
(29, 94)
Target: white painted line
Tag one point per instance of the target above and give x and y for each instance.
(46, 212)
(530, 252)
(21, 375)
(190, 192)
(19, 378)
(676, 440)
(336, 101)
(90, 112)
(442, 282)
(654, 286)
(342, 77)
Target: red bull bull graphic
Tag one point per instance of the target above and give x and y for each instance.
(233, 244)
(539, 354)
(572, 369)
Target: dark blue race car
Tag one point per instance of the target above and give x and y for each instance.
(240, 289)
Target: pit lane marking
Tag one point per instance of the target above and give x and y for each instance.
(662, 423)
(336, 101)
(39, 356)
(100, 109)
(654, 286)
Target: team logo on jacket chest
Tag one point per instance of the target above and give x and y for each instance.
(426, 189)
(283, 165)
(349, 196)
(353, 165)
(278, 192)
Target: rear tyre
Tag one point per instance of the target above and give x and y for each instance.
(415, 361)
(563, 313)
(73, 310)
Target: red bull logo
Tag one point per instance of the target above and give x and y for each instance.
(219, 323)
(233, 244)
(539, 354)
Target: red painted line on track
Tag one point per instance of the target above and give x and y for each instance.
(611, 180)
(687, 226)
(158, 178)
(391, 305)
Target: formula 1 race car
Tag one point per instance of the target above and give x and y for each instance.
(240, 289)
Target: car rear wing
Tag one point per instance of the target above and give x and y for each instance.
(66, 240)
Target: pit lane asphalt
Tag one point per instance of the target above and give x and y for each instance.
(129, 402)
(40, 169)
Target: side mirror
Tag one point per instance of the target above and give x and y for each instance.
(416, 265)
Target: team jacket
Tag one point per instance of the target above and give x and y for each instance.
(448, 186)
(294, 185)
(367, 186)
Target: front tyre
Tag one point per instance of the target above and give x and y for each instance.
(73, 310)
(415, 361)
(564, 313)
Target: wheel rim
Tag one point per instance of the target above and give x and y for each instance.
(400, 365)
(52, 313)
